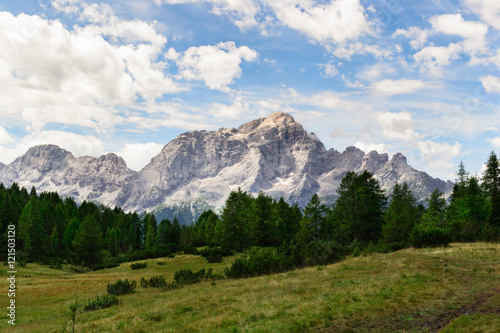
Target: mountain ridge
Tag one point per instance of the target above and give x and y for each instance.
(198, 169)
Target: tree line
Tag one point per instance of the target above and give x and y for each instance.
(53, 230)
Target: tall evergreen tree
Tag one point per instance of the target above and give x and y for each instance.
(314, 219)
(401, 217)
(237, 217)
(359, 209)
(88, 242)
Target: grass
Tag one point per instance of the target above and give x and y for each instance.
(454, 289)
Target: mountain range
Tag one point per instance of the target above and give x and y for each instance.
(198, 169)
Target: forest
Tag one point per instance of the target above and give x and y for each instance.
(279, 236)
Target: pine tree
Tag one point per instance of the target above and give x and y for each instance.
(359, 209)
(264, 229)
(314, 218)
(401, 217)
(88, 242)
(236, 220)
(491, 181)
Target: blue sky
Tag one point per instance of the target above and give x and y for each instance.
(417, 77)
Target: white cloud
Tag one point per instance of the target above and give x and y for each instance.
(435, 151)
(49, 74)
(433, 58)
(495, 142)
(66, 6)
(380, 148)
(5, 138)
(399, 87)
(334, 22)
(329, 70)
(397, 126)
(417, 35)
(376, 71)
(218, 66)
(241, 12)
(236, 110)
(491, 84)
(474, 33)
(138, 155)
(488, 10)
(346, 51)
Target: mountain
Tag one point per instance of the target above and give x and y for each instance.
(198, 169)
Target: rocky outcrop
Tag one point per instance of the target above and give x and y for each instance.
(198, 169)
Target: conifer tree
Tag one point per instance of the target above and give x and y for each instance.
(401, 217)
(88, 242)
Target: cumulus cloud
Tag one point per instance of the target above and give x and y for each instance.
(138, 155)
(399, 87)
(488, 10)
(495, 142)
(417, 35)
(474, 33)
(49, 74)
(216, 65)
(433, 58)
(334, 22)
(491, 84)
(397, 126)
(331, 24)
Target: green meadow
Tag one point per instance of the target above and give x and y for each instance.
(451, 289)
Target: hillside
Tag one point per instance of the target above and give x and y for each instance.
(455, 289)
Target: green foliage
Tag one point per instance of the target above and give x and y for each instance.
(427, 235)
(400, 218)
(88, 241)
(103, 302)
(358, 213)
(216, 254)
(121, 287)
(237, 217)
(139, 265)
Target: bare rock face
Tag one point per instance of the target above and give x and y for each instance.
(198, 169)
(50, 168)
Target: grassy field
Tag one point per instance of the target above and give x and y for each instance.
(453, 289)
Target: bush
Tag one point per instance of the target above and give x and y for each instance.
(154, 282)
(139, 265)
(161, 263)
(424, 235)
(121, 287)
(190, 249)
(101, 303)
(215, 259)
(110, 264)
(216, 254)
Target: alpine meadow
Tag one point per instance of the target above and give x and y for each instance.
(159, 173)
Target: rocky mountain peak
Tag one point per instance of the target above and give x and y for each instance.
(198, 169)
(399, 159)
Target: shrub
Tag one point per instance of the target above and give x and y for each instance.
(154, 282)
(214, 259)
(139, 265)
(424, 235)
(105, 265)
(161, 263)
(121, 287)
(190, 249)
(101, 303)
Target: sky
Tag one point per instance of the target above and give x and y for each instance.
(417, 77)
